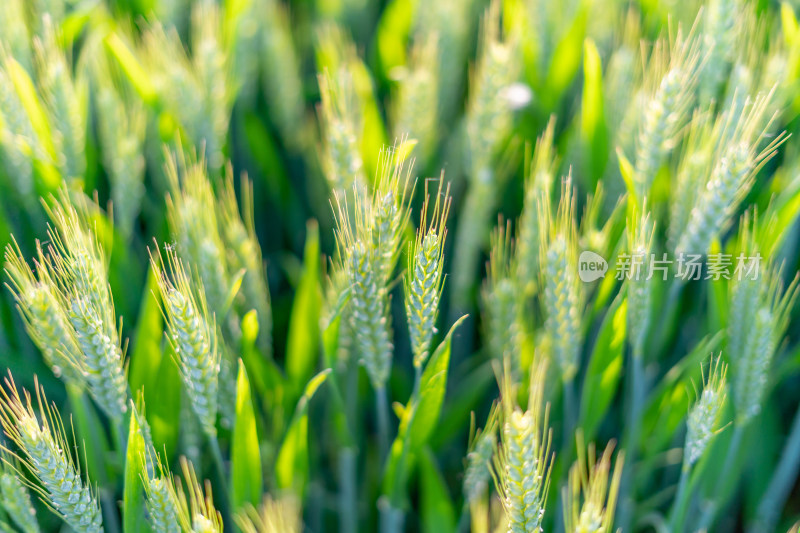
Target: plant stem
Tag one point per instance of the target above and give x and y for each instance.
(110, 520)
(471, 237)
(781, 483)
(417, 380)
(569, 412)
(391, 518)
(637, 392)
(679, 504)
(479, 513)
(348, 512)
(724, 482)
(382, 411)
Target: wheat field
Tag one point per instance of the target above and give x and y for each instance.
(285, 266)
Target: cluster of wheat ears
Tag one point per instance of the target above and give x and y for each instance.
(395, 378)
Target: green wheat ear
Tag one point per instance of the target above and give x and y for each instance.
(502, 301)
(489, 112)
(736, 141)
(562, 288)
(196, 512)
(706, 413)
(641, 231)
(44, 314)
(46, 454)
(479, 457)
(238, 230)
(191, 331)
(591, 495)
(340, 121)
(121, 121)
(192, 213)
(522, 463)
(368, 241)
(670, 83)
(538, 185)
(161, 500)
(416, 109)
(424, 278)
(18, 142)
(79, 263)
(15, 497)
(272, 516)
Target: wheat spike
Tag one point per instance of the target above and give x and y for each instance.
(44, 445)
(191, 332)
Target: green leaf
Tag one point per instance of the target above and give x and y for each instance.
(303, 343)
(668, 402)
(145, 359)
(163, 411)
(605, 368)
(392, 34)
(133, 495)
(627, 171)
(438, 514)
(48, 177)
(717, 296)
(791, 29)
(425, 415)
(136, 74)
(593, 123)
(291, 466)
(90, 434)
(773, 228)
(419, 420)
(253, 359)
(246, 475)
(565, 62)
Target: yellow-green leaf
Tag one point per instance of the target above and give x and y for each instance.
(438, 514)
(291, 466)
(303, 343)
(145, 359)
(130, 65)
(593, 125)
(133, 495)
(605, 368)
(246, 475)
